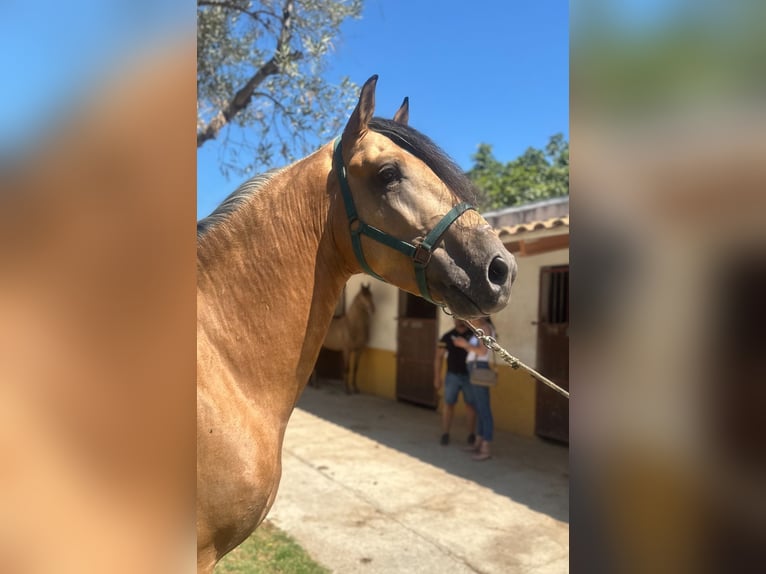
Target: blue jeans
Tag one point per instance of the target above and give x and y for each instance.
(453, 384)
(485, 424)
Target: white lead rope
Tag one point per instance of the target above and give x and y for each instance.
(515, 363)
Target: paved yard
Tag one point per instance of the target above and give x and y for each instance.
(366, 487)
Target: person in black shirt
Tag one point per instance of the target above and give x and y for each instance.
(456, 380)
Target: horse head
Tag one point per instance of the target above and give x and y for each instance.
(409, 218)
(365, 293)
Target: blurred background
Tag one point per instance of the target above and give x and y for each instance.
(97, 275)
(668, 123)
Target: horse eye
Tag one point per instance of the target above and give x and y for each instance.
(388, 174)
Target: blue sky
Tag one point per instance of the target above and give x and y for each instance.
(494, 71)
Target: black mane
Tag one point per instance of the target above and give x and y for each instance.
(429, 153)
(233, 202)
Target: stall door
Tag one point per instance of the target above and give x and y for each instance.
(415, 349)
(552, 409)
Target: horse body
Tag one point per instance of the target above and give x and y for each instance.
(272, 263)
(350, 334)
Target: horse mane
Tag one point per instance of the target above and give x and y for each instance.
(429, 153)
(233, 202)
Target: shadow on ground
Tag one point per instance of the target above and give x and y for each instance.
(529, 471)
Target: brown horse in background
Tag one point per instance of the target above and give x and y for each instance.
(349, 334)
(272, 261)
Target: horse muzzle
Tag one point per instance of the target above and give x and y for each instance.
(474, 277)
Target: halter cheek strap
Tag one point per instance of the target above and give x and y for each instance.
(420, 252)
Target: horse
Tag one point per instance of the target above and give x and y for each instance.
(349, 334)
(272, 261)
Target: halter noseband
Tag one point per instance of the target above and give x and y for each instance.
(420, 252)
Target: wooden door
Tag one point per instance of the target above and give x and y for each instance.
(329, 365)
(552, 409)
(415, 349)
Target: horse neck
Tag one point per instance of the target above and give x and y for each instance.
(269, 279)
(359, 317)
(358, 311)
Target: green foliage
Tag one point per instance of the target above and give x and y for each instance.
(260, 85)
(269, 551)
(685, 55)
(533, 176)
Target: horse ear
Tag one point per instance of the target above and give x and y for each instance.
(357, 123)
(402, 115)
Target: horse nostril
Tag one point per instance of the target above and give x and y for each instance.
(498, 271)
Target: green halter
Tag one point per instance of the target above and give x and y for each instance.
(419, 252)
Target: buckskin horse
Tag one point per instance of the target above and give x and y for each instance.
(349, 334)
(272, 260)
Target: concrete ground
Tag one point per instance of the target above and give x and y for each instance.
(367, 488)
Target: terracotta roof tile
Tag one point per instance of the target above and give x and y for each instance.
(534, 226)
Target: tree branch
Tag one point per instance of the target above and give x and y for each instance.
(275, 101)
(244, 95)
(287, 25)
(237, 8)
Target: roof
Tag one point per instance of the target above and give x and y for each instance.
(539, 225)
(532, 216)
(534, 237)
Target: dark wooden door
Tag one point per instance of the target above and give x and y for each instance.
(415, 349)
(329, 365)
(552, 409)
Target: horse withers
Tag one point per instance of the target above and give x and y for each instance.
(272, 261)
(349, 334)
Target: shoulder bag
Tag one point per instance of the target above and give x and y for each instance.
(484, 376)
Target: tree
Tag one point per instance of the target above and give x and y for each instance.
(259, 74)
(533, 176)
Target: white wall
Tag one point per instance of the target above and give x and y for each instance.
(515, 328)
(386, 299)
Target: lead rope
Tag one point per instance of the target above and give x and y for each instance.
(515, 363)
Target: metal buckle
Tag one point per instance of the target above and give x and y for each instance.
(422, 255)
